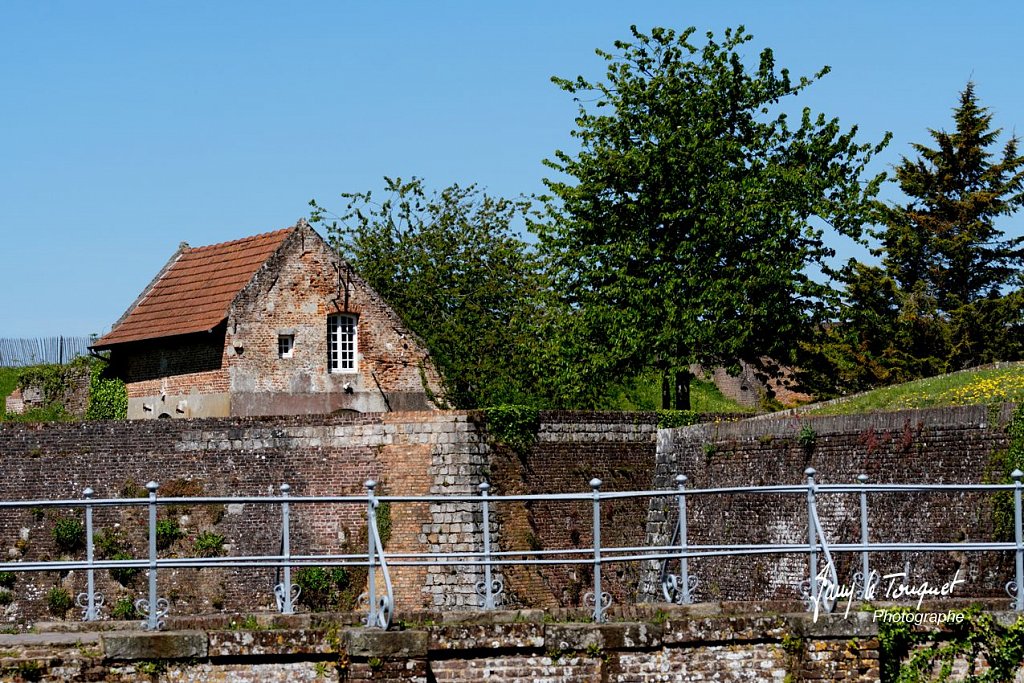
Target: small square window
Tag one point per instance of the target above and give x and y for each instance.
(285, 345)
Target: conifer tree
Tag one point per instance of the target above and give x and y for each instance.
(944, 244)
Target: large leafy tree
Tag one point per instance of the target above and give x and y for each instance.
(945, 241)
(451, 265)
(685, 228)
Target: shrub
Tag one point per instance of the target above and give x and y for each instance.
(6, 597)
(69, 534)
(123, 575)
(124, 609)
(7, 579)
(208, 544)
(108, 398)
(322, 588)
(167, 532)
(58, 601)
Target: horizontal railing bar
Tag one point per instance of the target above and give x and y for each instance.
(476, 499)
(610, 555)
(909, 488)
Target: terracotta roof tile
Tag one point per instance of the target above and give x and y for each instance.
(193, 293)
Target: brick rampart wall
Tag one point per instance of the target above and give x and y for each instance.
(946, 445)
(234, 457)
(571, 449)
(431, 452)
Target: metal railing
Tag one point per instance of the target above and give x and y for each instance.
(818, 589)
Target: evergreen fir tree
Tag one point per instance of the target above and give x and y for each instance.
(944, 245)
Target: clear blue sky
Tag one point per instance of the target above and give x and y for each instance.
(128, 127)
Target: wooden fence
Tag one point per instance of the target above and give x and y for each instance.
(60, 350)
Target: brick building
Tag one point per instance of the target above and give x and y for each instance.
(271, 324)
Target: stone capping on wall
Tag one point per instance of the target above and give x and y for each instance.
(979, 416)
(508, 645)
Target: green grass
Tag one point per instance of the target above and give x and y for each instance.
(644, 393)
(970, 387)
(8, 380)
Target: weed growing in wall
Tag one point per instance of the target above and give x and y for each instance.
(383, 515)
(58, 601)
(208, 544)
(167, 532)
(124, 609)
(671, 419)
(324, 588)
(123, 575)
(807, 437)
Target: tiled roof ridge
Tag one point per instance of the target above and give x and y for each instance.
(231, 243)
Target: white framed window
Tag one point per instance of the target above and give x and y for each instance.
(285, 345)
(342, 342)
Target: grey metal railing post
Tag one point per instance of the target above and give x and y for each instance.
(1018, 603)
(153, 613)
(371, 579)
(864, 566)
(488, 585)
(286, 552)
(91, 611)
(684, 568)
(812, 540)
(599, 603)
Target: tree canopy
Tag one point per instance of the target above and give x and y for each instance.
(684, 229)
(450, 263)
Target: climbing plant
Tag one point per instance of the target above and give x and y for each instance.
(1001, 464)
(911, 655)
(108, 398)
(513, 425)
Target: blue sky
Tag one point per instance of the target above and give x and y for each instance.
(128, 127)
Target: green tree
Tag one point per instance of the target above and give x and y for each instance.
(684, 229)
(450, 263)
(945, 241)
(882, 335)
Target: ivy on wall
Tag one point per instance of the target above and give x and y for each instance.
(513, 425)
(1001, 464)
(990, 651)
(108, 398)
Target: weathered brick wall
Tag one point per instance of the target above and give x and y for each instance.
(571, 449)
(435, 453)
(294, 293)
(408, 453)
(946, 445)
(192, 362)
(516, 647)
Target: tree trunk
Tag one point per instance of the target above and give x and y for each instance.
(666, 392)
(683, 389)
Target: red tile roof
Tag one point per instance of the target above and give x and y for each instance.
(194, 292)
